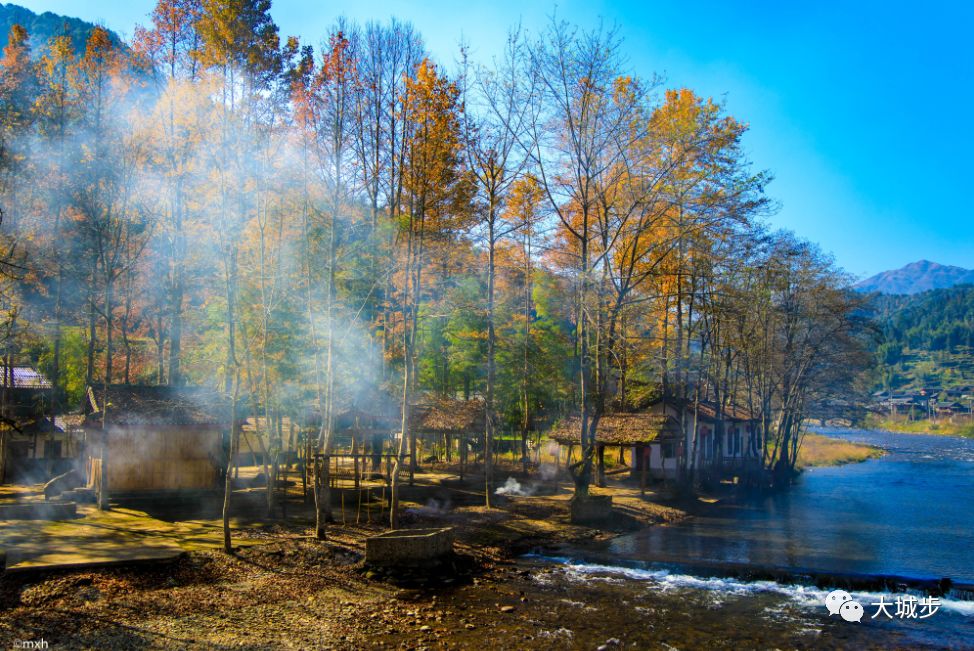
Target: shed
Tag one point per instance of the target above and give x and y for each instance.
(159, 438)
(453, 419)
(25, 426)
(360, 441)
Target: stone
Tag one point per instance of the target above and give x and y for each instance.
(591, 509)
(68, 481)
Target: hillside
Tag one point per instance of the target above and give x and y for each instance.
(42, 27)
(928, 338)
(917, 277)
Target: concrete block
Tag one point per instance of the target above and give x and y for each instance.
(409, 546)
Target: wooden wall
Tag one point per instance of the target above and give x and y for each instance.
(173, 458)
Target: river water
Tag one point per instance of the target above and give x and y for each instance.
(909, 513)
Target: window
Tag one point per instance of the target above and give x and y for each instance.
(52, 449)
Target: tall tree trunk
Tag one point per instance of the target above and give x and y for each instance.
(177, 291)
(234, 445)
(103, 504)
(491, 365)
(407, 381)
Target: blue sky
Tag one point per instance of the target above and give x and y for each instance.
(861, 110)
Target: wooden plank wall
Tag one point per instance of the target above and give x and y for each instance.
(163, 459)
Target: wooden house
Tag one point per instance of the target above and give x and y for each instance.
(670, 435)
(158, 438)
(704, 437)
(361, 440)
(32, 447)
(641, 432)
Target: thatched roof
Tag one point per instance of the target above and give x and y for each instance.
(352, 418)
(617, 429)
(158, 406)
(708, 410)
(449, 415)
(39, 425)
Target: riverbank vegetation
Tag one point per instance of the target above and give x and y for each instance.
(819, 450)
(310, 227)
(961, 426)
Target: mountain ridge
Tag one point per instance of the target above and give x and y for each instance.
(41, 27)
(916, 277)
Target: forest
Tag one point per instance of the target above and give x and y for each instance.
(927, 338)
(313, 225)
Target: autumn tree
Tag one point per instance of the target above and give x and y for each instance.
(239, 46)
(578, 140)
(495, 126)
(437, 194)
(170, 44)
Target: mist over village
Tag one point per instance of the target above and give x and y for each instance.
(343, 340)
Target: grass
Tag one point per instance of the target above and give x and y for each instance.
(819, 450)
(106, 536)
(963, 427)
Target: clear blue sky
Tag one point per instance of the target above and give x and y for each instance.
(862, 110)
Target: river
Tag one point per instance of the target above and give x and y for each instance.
(909, 514)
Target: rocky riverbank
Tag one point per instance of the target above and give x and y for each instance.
(290, 591)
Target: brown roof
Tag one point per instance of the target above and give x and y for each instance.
(707, 410)
(39, 425)
(617, 429)
(383, 417)
(731, 412)
(354, 418)
(443, 414)
(158, 405)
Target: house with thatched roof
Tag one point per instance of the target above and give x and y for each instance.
(615, 429)
(155, 438)
(356, 429)
(713, 437)
(446, 415)
(641, 432)
(442, 422)
(663, 436)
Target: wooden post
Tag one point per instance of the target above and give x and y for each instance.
(600, 451)
(284, 498)
(304, 472)
(355, 458)
(643, 453)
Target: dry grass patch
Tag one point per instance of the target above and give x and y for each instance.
(819, 450)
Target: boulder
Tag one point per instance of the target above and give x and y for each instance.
(591, 509)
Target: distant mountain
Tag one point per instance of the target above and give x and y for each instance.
(41, 27)
(917, 277)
